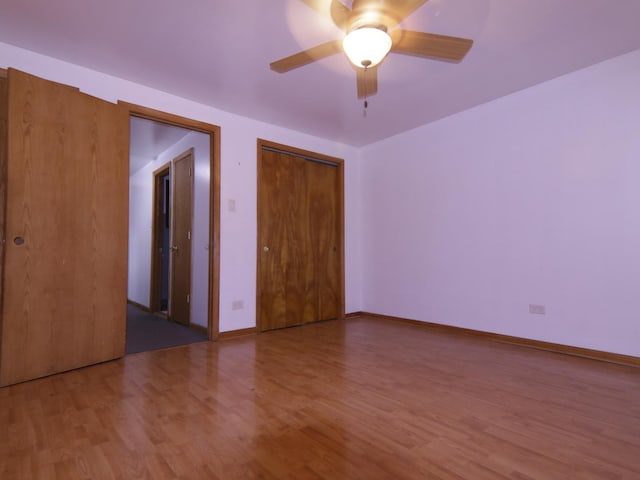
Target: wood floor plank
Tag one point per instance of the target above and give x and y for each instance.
(357, 399)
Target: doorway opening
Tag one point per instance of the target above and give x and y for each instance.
(173, 285)
(161, 235)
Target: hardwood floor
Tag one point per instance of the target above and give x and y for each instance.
(358, 399)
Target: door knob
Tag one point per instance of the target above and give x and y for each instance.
(265, 248)
(174, 248)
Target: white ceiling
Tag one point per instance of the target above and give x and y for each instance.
(218, 52)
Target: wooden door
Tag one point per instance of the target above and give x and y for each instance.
(65, 265)
(160, 238)
(324, 238)
(300, 240)
(179, 306)
(4, 111)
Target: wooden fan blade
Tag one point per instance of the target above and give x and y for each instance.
(332, 9)
(367, 81)
(403, 8)
(340, 14)
(430, 45)
(386, 12)
(320, 6)
(306, 56)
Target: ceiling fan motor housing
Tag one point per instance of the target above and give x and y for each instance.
(371, 13)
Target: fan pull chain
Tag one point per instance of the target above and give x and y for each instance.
(366, 103)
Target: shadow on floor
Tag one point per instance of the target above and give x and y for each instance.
(146, 331)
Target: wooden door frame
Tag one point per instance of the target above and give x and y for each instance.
(339, 163)
(213, 320)
(155, 296)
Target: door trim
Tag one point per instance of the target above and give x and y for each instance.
(213, 131)
(312, 156)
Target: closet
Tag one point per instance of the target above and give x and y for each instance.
(63, 228)
(300, 268)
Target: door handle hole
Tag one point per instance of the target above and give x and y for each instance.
(18, 241)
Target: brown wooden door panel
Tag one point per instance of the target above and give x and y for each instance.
(110, 230)
(299, 230)
(4, 107)
(181, 238)
(323, 237)
(64, 302)
(283, 268)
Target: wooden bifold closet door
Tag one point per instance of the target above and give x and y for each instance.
(300, 239)
(65, 257)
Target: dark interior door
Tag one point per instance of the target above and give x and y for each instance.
(159, 298)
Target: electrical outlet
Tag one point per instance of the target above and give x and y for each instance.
(231, 204)
(237, 305)
(537, 309)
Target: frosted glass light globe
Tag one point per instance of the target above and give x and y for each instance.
(366, 46)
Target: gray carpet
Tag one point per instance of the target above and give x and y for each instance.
(146, 331)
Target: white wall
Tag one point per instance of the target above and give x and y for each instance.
(238, 175)
(530, 199)
(141, 225)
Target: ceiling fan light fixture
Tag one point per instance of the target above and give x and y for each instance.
(367, 46)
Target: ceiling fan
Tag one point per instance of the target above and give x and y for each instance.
(370, 34)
